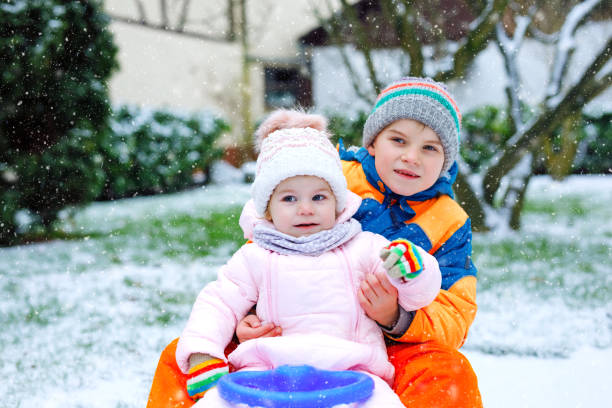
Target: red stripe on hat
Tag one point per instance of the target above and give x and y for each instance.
(426, 84)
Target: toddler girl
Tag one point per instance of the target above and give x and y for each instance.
(303, 270)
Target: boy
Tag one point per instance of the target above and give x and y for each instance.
(404, 174)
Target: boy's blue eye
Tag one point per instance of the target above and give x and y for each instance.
(289, 198)
(398, 140)
(431, 148)
(318, 197)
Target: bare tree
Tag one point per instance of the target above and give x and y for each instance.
(494, 196)
(174, 17)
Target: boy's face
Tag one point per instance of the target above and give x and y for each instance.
(302, 205)
(408, 156)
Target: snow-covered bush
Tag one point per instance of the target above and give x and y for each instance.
(55, 58)
(595, 150)
(67, 173)
(484, 131)
(158, 151)
(488, 128)
(347, 129)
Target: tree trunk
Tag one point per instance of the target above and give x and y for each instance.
(245, 85)
(559, 159)
(476, 41)
(470, 203)
(517, 208)
(515, 195)
(587, 88)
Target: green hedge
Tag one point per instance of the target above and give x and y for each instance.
(146, 152)
(349, 130)
(55, 59)
(484, 130)
(597, 156)
(56, 145)
(158, 151)
(68, 173)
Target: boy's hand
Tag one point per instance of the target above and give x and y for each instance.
(402, 259)
(250, 328)
(378, 297)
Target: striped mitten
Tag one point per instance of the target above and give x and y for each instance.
(204, 372)
(402, 259)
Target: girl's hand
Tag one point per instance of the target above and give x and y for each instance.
(250, 328)
(378, 297)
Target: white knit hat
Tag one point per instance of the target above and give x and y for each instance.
(295, 151)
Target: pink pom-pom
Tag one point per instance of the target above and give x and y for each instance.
(288, 119)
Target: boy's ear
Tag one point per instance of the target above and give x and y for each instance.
(371, 150)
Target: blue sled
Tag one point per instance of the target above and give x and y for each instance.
(295, 387)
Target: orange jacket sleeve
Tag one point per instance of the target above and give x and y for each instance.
(447, 319)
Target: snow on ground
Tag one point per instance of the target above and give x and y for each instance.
(581, 380)
(84, 320)
(550, 350)
(484, 85)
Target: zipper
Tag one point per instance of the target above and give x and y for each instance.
(268, 285)
(271, 292)
(352, 294)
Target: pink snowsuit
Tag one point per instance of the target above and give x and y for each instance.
(314, 300)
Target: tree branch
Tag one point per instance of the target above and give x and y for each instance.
(406, 35)
(470, 201)
(518, 192)
(582, 92)
(161, 27)
(163, 11)
(183, 15)
(369, 97)
(334, 29)
(476, 6)
(476, 41)
(509, 48)
(566, 44)
(363, 43)
(543, 37)
(141, 10)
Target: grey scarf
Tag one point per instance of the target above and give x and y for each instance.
(312, 245)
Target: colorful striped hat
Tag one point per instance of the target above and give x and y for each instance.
(423, 100)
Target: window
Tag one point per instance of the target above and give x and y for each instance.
(285, 87)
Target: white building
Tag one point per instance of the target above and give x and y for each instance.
(159, 68)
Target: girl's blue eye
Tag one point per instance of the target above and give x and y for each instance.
(430, 147)
(398, 140)
(288, 198)
(318, 197)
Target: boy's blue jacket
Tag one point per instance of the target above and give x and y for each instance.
(434, 221)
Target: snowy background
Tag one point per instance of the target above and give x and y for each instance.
(484, 84)
(84, 320)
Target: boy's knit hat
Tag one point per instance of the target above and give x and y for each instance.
(423, 100)
(293, 143)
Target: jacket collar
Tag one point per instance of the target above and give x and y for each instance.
(442, 186)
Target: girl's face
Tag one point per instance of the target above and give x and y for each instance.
(408, 156)
(302, 205)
